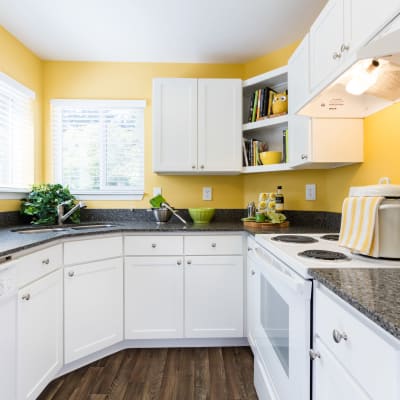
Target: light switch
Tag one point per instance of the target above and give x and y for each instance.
(311, 191)
(207, 193)
(156, 191)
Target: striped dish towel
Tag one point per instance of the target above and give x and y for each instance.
(359, 230)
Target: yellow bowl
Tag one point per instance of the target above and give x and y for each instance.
(271, 157)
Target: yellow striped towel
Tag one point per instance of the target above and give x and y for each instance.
(359, 230)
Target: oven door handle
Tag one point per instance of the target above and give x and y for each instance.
(283, 274)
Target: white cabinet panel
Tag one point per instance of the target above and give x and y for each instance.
(153, 245)
(214, 296)
(86, 250)
(214, 245)
(219, 125)
(93, 306)
(153, 297)
(40, 334)
(174, 125)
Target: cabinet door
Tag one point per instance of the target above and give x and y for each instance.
(174, 125)
(219, 125)
(251, 303)
(40, 334)
(363, 18)
(299, 142)
(326, 39)
(93, 306)
(213, 296)
(298, 76)
(153, 297)
(331, 381)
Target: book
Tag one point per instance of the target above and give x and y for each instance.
(270, 98)
(253, 118)
(259, 104)
(251, 105)
(284, 146)
(245, 158)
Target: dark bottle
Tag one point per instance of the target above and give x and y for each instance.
(279, 200)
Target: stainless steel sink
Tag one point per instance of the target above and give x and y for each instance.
(92, 226)
(39, 230)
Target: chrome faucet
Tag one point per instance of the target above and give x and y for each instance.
(60, 210)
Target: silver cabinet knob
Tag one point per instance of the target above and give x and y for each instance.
(26, 297)
(304, 156)
(336, 55)
(314, 354)
(344, 47)
(338, 336)
(189, 262)
(154, 245)
(71, 273)
(202, 166)
(193, 167)
(46, 261)
(213, 244)
(253, 272)
(179, 262)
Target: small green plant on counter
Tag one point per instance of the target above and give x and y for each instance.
(41, 204)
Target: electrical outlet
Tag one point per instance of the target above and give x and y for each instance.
(207, 193)
(156, 191)
(311, 191)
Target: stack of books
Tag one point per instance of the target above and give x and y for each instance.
(251, 151)
(260, 106)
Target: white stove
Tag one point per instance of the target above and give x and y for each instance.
(289, 253)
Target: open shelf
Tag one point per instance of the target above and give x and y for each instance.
(266, 168)
(265, 123)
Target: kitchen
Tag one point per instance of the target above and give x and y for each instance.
(61, 79)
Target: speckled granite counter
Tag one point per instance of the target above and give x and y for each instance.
(374, 292)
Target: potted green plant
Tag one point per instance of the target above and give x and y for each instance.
(41, 204)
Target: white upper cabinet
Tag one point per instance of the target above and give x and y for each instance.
(196, 126)
(326, 39)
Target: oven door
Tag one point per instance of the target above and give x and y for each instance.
(282, 327)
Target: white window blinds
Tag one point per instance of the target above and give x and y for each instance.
(16, 135)
(99, 146)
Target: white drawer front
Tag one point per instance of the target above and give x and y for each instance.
(153, 245)
(35, 265)
(364, 352)
(214, 245)
(82, 251)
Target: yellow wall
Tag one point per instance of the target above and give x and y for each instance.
(134, 81)
(21, 64)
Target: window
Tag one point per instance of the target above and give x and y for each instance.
(16, 137)
(99, 147)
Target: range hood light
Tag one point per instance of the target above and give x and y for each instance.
(364, 79)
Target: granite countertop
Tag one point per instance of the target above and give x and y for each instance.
(374, 292)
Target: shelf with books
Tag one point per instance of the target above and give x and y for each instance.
(262, 130)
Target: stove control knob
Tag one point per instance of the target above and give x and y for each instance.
(338, 336)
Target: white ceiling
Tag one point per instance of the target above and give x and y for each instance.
(214, 31)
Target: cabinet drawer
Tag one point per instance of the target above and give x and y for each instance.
(92, 249)
(153, 245)
(214, 245)
(364, 350)
(35, 265)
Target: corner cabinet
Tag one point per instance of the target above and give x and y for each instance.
(196, 126)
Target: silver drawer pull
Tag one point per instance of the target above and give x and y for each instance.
(193, 167)
(71, 273)
(344, 47)
(179, 262)
(153, 245)
(26, 297)
(336, 55)
(189, 262)
(253, 272)
(304, 156)
(314, 354)
(338, 336)
(46, 261)
(213, 244)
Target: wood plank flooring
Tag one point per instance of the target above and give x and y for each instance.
(216, 373)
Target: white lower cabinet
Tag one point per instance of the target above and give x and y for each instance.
(213, 296)
(40, 334)
(154, 297)
(93, 307)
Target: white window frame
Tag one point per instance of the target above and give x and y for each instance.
(109, 194)
(14, 192)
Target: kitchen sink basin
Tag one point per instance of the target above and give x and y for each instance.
(92, 226)
(39, 230)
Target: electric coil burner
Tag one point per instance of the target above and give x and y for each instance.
(324, 255)
(333, 237)
(294, 239)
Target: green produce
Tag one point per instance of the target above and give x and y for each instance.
(41, 204)
(276, 218)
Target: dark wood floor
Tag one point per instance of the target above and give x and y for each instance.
(161, 374)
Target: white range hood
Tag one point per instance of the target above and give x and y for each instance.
(335, 102)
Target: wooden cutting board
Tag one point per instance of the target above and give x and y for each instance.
(265, 225)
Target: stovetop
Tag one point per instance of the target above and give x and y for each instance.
(288, 252)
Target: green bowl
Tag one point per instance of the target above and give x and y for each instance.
(201, 215)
